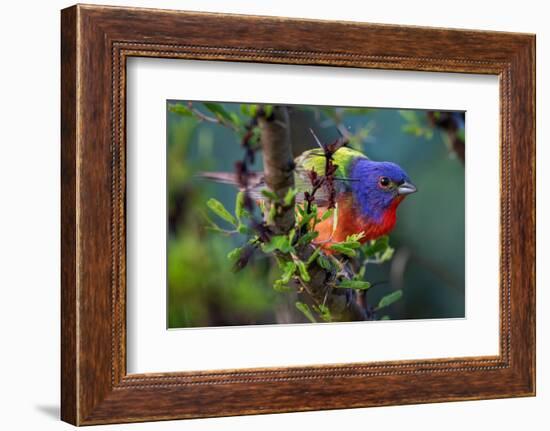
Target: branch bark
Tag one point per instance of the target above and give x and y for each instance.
(279, 177)
(278, 162)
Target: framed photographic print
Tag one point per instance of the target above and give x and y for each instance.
(259, 216)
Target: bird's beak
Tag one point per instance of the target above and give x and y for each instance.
(406, 189)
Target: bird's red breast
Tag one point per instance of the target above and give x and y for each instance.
(350, 222)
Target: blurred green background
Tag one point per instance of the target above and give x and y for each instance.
(428, 264)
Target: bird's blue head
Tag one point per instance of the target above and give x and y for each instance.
(379, 187)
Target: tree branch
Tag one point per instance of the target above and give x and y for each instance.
(278, 162)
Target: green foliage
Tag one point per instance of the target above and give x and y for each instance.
(416, 125)
(305, 218)
(255, 138)
(290, 196)
(389, 299)
(268, 110)
(219, 111)
(180, 109)
(302, 269)
(249, 110)
(314, 256)
(327, 214)
(377, 246)
(349, 246)
(379, 249)
(278, 243)
(270, 195)
(342, 249)
(324, 262)
(281, 285)
(354, 284)
(199, 294)
(323, 311)
(240, 212)
(307, 238)
(235, 254)
(304, 308)
(217, 207)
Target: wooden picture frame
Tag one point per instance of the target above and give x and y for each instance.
(95, 43)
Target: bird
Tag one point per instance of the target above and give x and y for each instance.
(366, 194)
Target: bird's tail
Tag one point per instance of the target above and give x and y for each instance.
(255, 181)
(220, 177)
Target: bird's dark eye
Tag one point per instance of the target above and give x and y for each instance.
(384, 182)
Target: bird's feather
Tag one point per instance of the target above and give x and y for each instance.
(315, 160)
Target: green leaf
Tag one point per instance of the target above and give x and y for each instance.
(323, 311)
(313, 257)
(288, 271)
(307, 238)
(342, 249)
(356, 237)
(385, 317)
(256, 135)
(306, 218)
(304, 308)
(387, 255)
(304, 275)
(291, 235)
(215, 228)
(290, 195)
(239, 205)
(235, 119)
(354, 284)
(219, 111)
(270, 195)
(280, 286)
(390, 299)
(324, 262)
(409, 115)
(244, 229)
(217, 207)
(379, 245)
(278, 242)
(210, 224)
(180, 109)
(272, 214)
(413, 129)
(327, 214)
(235, 254)
(350, 244)
(248, 109)
(268, 110)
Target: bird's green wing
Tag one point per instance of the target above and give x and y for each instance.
(315, 160)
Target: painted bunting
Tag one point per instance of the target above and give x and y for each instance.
(367, 193)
